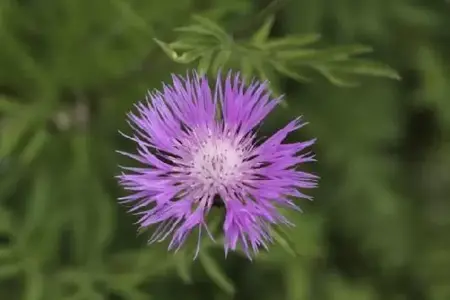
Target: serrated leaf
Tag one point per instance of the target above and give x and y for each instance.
(266, 74)
(190, 43)
(213, 27)
(221, 60)
(338, 53)
(335, 79)
(215, 273)
(292, 41)
(190, 56)
(184, 44)
(365, 67)
(223, 8)
(186, 57)
(200, 30)
(289, 73)
(344, 52)
(261, 35)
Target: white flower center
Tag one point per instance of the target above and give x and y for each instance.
(217, 163)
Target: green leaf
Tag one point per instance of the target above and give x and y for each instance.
(334, 78)
(104, 208)
(12, 131)
(34, 146)
(167, 49)
(221, 60)
(297, 276)
(283, 240)
(247, 69)
(44, 239)
(215, 220)
(338, 288)
(82, 281)
(215, 273)
(213, 28)
(205, 62)
(37, 208)
(190, 43)
(79, 180)
(200, 30)
(311, 56)
(190, 56)
(265, 57)
(292, 41)
(130, 15)
(266, 73)
(289, 73)
(135, 266)
(184, 44)
(183, 266)
(186, 57)
(365, 67)
(261, 35)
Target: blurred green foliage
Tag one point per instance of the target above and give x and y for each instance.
(69, 70)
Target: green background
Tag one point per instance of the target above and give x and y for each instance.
(378, 228)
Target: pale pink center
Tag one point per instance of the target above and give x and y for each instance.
(217, 163)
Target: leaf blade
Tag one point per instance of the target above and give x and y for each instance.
(261, 35)
(216, 275)
(292, 41)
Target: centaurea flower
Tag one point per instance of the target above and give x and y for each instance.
(197, 143)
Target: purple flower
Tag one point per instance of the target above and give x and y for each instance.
(197, 143)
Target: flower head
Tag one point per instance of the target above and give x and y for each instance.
(197, 143)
